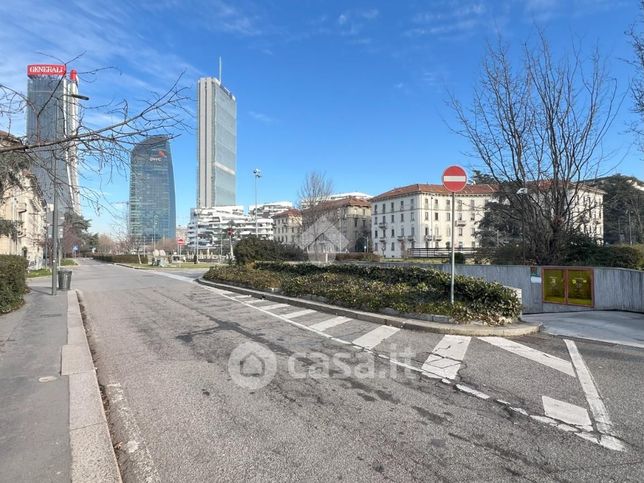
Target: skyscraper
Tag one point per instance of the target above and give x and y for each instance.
(152, 213)
(52, 115)
(216, 144)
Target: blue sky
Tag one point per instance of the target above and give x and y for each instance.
(354, 89)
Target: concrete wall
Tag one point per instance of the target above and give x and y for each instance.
(614, 288)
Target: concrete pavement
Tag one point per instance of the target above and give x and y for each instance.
(53, 427)
(624, 328)
(339, 398)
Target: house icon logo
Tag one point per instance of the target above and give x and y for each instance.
(252, 365)
(322, 240)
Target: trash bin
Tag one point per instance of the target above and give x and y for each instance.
(64, 279)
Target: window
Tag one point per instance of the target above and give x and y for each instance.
(435, 216)
(355, 222)
(448, 204)
(375, 234)
(426, 215)
(412, 216)
(411, 203)
(436, 203)
(460, 231)
(402, 204)
(426, 231)
(392, 206)
(460, 216)
(449, 216)
(460, 245)
(393, 233)
(426, 204)
(375, 209)
(402, 231)
(392, 218)
(375, 246)
(392, 246)
(364, 223)
(413, 232)
(449, 231)
(402, 217)
(383, 219)
(384, 207)
(473, 231)
(363, 212)
(459, 205)
(472, 205)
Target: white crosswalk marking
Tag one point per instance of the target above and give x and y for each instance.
(375, 337)
(327, 324)
(566, 412)
(274, 306)
(532, 354)
(299, 313)
(445, 360)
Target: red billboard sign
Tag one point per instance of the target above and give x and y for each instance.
(35, 70)
(454, 179)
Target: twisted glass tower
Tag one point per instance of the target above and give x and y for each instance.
(152, 213)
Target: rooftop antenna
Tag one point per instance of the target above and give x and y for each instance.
(220, 69)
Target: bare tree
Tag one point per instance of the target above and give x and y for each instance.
(318, 217)
(637, 87)
(537, 130)
(84, 147)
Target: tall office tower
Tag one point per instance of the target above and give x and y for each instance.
(152, 213)
(216, 144)
(52, 115)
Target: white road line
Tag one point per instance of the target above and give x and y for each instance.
(600, 414)
(299, 313)
(566, 412)
(472, 391)
(445, 360)
(255, 301)
(274, 306)
(375, 337)
(532, 354)
(327, 324)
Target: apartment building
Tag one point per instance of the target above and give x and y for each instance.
(287, 227)
(419, 216)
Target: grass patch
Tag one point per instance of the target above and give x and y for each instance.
(41, 272)
(68, 262)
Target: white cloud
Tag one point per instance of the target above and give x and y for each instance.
(261, 117)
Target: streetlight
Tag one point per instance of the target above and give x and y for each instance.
(54, 181)
(258, 174)
(522, 192)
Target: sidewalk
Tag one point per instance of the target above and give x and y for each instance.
(52, 423)
(34, 420)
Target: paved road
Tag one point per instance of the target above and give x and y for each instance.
(626, 328)
(347, 399)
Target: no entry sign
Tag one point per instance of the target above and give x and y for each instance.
(180, 241)
(454, 179)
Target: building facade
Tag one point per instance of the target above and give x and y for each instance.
(52, 115)
(419, 216)
(152, 214)
(216, 144)
(287, 227)
(208, 228)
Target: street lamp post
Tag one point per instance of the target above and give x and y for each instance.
(258, 174)
(54, 181)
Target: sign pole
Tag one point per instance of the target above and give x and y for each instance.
(451, 292)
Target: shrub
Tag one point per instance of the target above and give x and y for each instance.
(406, 289)
(243, 275)
(121, 258)
(13, 282)
(252, 249)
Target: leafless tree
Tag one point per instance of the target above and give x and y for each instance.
(538, 131)
(99, 150)
(637, 87)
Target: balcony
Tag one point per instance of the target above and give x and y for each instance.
(461, 223)
(382, 225)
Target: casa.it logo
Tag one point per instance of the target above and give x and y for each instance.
(252, 365)
(35, 70)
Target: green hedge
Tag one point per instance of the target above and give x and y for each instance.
(121, 258)
(13, 282)
(252, 249)
(406, 289)
(358, 256)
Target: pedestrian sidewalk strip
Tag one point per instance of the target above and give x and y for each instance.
(299, 313)
(329, 323)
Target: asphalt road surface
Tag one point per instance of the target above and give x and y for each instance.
(207, 385)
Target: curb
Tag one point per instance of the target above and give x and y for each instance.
(515, 330)
(93, 457)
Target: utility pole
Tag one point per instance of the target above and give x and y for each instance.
(451, 292)
(630, 230)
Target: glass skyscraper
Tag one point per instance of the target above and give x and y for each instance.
(152, 213)
(52, 115)
(216, 144)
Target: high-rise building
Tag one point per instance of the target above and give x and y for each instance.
(216, 144)
(152, 213)
(52, 115)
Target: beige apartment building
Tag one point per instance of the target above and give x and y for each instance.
(287, 227)
(26, 206)
(419, 216)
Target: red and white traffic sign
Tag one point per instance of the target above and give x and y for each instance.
(180, 241)
(454, 179)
